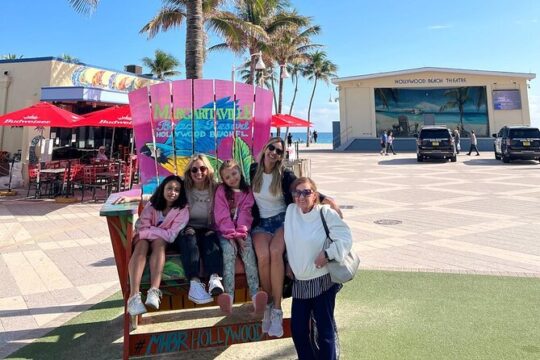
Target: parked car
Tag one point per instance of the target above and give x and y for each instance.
(517, 142)
(435, 142)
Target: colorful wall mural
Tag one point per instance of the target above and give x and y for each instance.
(405, 111)
(174, 120)
(87, 76)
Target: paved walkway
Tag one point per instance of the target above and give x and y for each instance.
(473, 216)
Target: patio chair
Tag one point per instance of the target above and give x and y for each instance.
(43, 184)
(90, 181)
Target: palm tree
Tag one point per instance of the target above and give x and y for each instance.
(84, 6)
(252, 26)
(295, 69)
(290, 45)
(318, 68)
(11, 57)
(69, 58)
(194, 30)
(163, 65)
(174, 13)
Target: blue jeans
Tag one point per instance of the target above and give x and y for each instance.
(322, 307)
(270, 225)
(250, 266)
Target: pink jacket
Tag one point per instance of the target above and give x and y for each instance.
(175, 221)
(233, 220)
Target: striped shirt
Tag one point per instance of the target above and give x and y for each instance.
(308, 289)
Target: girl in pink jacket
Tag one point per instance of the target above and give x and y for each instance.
(232, 215)
(159, 223)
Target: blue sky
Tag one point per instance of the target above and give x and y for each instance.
(361, 37)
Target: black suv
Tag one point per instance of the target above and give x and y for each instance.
(435, 142)
(517, 142)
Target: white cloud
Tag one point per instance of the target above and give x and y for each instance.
(439, 27)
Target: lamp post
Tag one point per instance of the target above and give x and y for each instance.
(283, 74)
(259, 66)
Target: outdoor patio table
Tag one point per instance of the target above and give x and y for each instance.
(55, 172)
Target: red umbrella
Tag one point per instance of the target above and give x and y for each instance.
(283, 120)
(114, 116)
(40, 115)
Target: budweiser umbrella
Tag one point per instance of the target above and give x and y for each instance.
(114, 116)
(40, 115)
(283, 120)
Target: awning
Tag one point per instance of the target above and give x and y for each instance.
(284, 120)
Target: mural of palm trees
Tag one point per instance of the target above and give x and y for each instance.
(162, 65)
(387, 94)
(457, 98)
(318, 68)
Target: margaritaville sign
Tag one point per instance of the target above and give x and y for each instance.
(431, 81)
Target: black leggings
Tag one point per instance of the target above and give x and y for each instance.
(201, 245)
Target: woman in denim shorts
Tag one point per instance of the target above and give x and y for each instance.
(270, 182)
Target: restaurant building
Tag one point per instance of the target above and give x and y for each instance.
(76, 87)
(404, 101)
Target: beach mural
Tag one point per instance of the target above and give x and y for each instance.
(174, 120)
(405, 111)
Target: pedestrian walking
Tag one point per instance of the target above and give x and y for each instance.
(315, 135)
(474, 144)
(383, 139)
(457, 140)
(390, 142)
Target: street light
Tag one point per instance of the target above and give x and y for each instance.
(259, 66)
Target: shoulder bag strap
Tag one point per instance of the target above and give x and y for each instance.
(325, 226)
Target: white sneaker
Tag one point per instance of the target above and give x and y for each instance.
(197, 294)
(267, 318)
(153, 298)
(135, 305)
(215, 287)
(276, 324)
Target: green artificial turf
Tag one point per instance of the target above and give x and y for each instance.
(396, 315)
(380, 315)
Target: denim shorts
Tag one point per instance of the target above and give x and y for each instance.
(269, 225)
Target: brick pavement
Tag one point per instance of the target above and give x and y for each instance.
(473, 216)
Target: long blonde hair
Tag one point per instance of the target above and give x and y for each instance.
(277, 171)
(210, 182)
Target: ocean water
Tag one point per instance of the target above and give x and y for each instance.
(323, 138)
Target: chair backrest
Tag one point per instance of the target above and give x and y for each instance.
(89, 174)
(220, 119)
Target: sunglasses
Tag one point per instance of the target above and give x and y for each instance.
(195, 169)
(304, 193)
(271, 147)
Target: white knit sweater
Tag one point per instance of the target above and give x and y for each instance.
(305, 237)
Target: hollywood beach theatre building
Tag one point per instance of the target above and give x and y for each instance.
(404, 101)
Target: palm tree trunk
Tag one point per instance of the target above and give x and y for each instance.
(194, 40)
(309, 111)
(280, 98)
(294, 96)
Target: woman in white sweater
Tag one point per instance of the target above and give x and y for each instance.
(308, 253)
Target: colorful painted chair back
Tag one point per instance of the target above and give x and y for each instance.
(175, 120)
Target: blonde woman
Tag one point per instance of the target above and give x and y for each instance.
(270, 183)
(199, 241)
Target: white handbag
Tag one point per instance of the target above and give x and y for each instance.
(341, 272)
